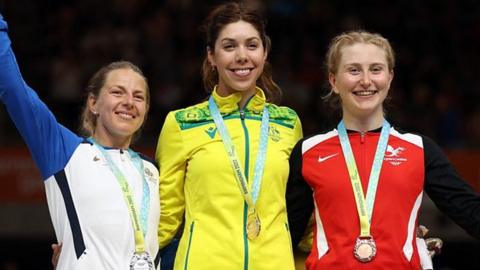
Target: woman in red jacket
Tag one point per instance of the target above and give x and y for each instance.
(367, 177)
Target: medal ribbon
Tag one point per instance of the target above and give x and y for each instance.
(364, 206)
(139, 227)
(250, 199)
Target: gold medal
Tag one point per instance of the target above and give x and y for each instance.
(253, 226)
(365, 249)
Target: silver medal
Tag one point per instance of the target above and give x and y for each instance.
(141, 261)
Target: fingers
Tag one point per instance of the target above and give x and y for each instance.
(57, 249)
(422, 231)
(434, 246)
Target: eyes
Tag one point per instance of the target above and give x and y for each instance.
(374, 69)
(231, 45)
(120, 92)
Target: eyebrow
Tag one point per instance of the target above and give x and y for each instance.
(371, 64)
(234, 40)
(124, 89)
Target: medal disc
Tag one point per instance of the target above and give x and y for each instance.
(141, 261)
(365, 249)
(253, 226)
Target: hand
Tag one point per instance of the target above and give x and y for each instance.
(57, 249)
(434, 245)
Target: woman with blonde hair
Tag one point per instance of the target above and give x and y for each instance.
(364, 180)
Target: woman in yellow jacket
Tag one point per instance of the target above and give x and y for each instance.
(224, 162)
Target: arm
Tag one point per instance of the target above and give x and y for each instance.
(172, 162)
(299, 197)
(451, 194)
(51, 144)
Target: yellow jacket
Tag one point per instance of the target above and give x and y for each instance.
(196, 179)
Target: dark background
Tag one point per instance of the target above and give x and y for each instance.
(436, 90)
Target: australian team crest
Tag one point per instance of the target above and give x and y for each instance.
(274, 134)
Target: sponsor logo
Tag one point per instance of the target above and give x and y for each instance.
(394, 155)
(322, 159)
(211, 132)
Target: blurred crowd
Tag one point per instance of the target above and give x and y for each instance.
(436, 90)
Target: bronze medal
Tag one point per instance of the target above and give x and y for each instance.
(365, 249)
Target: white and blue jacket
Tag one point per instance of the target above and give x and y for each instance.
(86, 204)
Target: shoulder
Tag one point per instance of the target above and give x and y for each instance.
(191, 116)
(282, 115)
(416, 138)
(147, 159)
(313, 140)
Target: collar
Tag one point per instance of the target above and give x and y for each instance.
(229, 103)
(377, 130)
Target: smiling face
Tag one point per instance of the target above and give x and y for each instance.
(362, 80)
(120, 108)
(239, 57)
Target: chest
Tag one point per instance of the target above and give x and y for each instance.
(401, 174)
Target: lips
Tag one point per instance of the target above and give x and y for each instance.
(242, 72)
(365, 93)
(125, 115)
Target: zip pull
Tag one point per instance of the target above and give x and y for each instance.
(362, 136)
(242, 114)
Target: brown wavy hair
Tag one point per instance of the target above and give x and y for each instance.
(220, 17)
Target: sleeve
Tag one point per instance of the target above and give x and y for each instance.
(50, 143)
(298, 196)
(172, 160)
(297, 131)
(450, 193)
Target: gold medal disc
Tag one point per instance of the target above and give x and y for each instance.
(253, 226)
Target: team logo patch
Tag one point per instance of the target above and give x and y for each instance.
(211, 132)
(394, 155)
(150, 176)
(274, 134)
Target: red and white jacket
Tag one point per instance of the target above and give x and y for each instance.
(319, 182)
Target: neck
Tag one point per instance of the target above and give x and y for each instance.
(362, 124)
(119, 142)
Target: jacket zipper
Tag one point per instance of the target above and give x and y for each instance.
(246, 170)
(192, 225)
(362, 166)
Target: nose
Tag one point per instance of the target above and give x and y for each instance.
(241, 54)
(365, 80)
(128, 100)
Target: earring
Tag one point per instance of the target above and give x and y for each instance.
(94, 113)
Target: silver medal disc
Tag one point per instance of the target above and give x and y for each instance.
(141, 261)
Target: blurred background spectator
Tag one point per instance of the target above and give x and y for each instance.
(59, 43)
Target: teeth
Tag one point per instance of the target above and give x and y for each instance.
(125, 115)
(242, 72)
(365, 93)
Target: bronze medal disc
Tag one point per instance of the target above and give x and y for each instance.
(365, 249)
